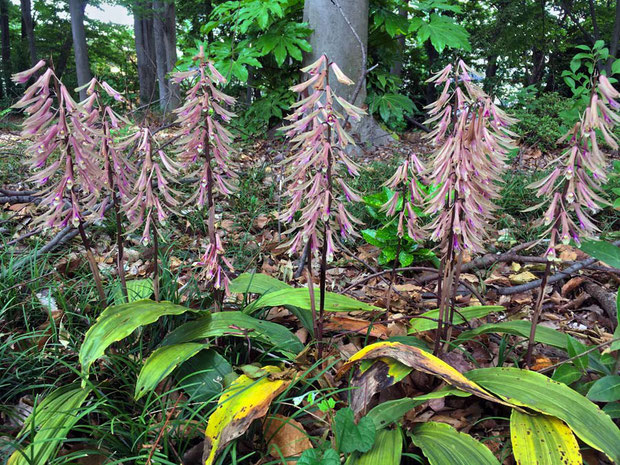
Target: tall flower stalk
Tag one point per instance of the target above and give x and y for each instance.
(402, 205)
(473, 139)
(64, 154)
(151, 200)
(571, 191)
(205, 144)
(316, 172)
(101, 120)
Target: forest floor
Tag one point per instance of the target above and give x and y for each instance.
(48, 302)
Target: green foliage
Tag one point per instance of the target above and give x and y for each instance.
(386, 236)
(441, 444)
(352, 437)
(541, 118)
(603, 251)
(442, 31)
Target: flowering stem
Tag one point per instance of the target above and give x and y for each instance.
(388, 297)
(455, 285)
(154, 233)
(315, 320)
(536, 315)
(93, 264)
(117, 214)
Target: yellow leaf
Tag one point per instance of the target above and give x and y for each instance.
(420, 360)
(522, 278)
(243, 402)
(543, 440)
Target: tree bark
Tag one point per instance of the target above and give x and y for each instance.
(397, 67)
(63, 57)
(145, 50)
(7, 68)
(333, 36)
(613, 43)
(80, 49)
(28, 30)
(164, 33)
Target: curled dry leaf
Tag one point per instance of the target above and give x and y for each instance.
(356, 325)
(285, 437)
(420, 360)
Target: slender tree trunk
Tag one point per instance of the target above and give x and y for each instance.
(28, 30)
(397, 67)
(145, 50)
(208, 8)
(63, 57)
(164, 28)
(538, 67)
(7, 68)
(433, 56)
(615, 37)
(80, 49)
(490, 73)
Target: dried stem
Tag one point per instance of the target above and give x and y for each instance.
(93, 263)
(155, 233)
(536, 315)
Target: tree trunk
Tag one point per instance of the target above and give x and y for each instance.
(7, 67)
(613, 43)
(333, 37)
(538, 66)
(490, 74)
(164, 29)
(80, 49)
(397, 67)
(28, 30)
(433, 56)
(145, 50)
(63, 57)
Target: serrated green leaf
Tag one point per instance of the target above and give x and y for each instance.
(352, 437)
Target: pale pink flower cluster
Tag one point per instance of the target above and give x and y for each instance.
(63, 142)
(573, 186)
(203, 138)
(151, 199)
(473, 139)
(315, 169)
(404, 183)
(205, 141)
(101, 120)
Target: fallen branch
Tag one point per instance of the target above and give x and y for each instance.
(19, 199)
(552, 279)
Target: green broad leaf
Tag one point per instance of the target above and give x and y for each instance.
(352, 437)
(387, 450)
(612, 409)
(391, 411)
(537, 392)
(204, 376)
(405, 258)
(425, 321)
(410, 341)
(567, 374)
(388, 254)
(314, 457)
(256, 283)
(574, 348)
(239, 71)
(442, 31)
(603, 251)
(543, 440)
(370, 236)
(137, 289)
(300, 297)
(442, 445)
(605, 389)
(161, 363)
(118, 322)
(52, 419)
(521, 328)
(615, 67)
(237, 324)
(391, 105)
